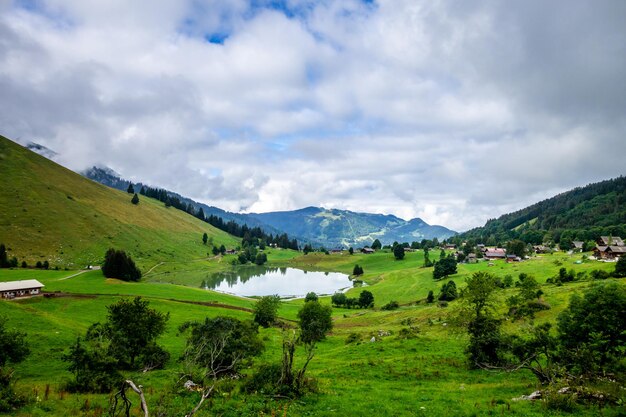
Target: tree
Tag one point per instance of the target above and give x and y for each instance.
(13, 349)
(119, 265)
(215, 250)
(431, 297)
(131, 329)
(427, 262)
(442, 254)
(620, 267)
(222, 249)
(338, 299)
(448, 292)
(516, 247)
(483, 328)
(398, 252)
(266, 310)
(311, 296)
(315, 321)
(142, 191)
(4, 261)
(366, 299)
(351, 251)
(93, 368)
(260, 258)
(307, 248)
(593, 329)
(135, 199)
(205, 238)
(130, 189)
(217, 348)
(357, 270)
(445, 267)
(45, 264)
(376, 245)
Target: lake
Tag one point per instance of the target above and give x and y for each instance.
(286, 282)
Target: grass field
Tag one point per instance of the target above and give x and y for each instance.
(51, 213)
(423, 375)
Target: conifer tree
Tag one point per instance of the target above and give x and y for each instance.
(135, 199)
(130, 189)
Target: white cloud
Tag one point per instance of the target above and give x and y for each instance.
(452, 112)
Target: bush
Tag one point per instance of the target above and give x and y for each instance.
(599, 274)
(353, 338)
(620, 267)
(357, 270)
(94, 370)
(448, 292)
(391, 305)
(311, 297)
(119, 265)
(339, 299)
(266, 309)
(366, 299)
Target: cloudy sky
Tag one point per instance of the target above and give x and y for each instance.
(451, 111)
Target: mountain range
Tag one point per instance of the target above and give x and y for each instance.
(319, 226)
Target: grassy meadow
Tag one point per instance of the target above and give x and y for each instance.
(51, 213)
(423, 374)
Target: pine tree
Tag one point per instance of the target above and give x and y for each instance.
(205, 238)
(130, 189)
(4, 261)
(135, 199)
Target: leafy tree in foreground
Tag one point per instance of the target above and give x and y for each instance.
(13, 350)
(119, 265)
(131, 330)
(593, 329)
(93, 368)
(217, 348)
(266, 310)
(483, 328)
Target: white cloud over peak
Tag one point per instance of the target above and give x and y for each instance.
(454, 112)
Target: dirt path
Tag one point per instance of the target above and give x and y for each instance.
(95, 268)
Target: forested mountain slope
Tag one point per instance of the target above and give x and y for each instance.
(583, 213)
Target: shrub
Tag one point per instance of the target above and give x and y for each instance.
(599, 274)
(357, 270)
(353, 338)
(430, 297)
(366, 299)
(266, 309)
(311, 297)
(448, 292)
(391, 305)
(339, 299)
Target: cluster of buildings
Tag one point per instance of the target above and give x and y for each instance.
(609, 247)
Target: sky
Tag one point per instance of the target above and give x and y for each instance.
(454, 112)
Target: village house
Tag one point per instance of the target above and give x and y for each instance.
(367, 250)
(578, 245)
(609, 247)
(495, 253)
(24, 288)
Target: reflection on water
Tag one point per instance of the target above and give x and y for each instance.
(286, 282)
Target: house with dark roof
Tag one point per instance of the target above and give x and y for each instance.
(578, 245)
(495, 253)
(609, 247)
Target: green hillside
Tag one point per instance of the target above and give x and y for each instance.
(584, 213)
(51, 213)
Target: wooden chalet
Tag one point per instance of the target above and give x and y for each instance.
(495, 253)
(609, 247)
(578, 245)
(17, 289)
(367, 250)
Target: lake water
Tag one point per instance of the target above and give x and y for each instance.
(286, 282)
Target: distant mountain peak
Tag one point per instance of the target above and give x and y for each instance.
(41, 150)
